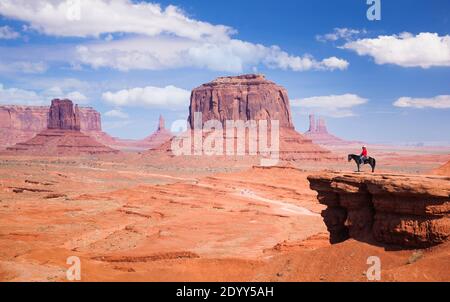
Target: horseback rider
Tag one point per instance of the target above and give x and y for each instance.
(364, 154)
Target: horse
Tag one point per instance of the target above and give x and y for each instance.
(357, 158)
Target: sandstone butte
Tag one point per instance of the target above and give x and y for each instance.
(318, 133)
(403, 210)
(21, 123)
(252, 98)
(63, 135)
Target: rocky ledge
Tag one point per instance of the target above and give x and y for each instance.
(404, 210)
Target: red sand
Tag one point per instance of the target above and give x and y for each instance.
(133, 218)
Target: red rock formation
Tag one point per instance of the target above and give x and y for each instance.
(161, 136)
(319, 134)
(246, 97)
(251, 98)
(62, 136)
(410, 211)
(444, 170)
(64, 116)
(21, 123)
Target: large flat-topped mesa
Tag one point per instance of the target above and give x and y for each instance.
(250, 98)
(246, 97)
(62, 136)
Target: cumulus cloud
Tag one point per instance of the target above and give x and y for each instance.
(168, 52)
(169, 97)
(8, 33)
(95, 17)
(437, 102)
(424, 50)
(117, 113)
(135, 35)
(17, 96)
(341, 33)
(331, 105)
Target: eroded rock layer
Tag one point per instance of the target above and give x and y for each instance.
(246, 97)
(405, 210)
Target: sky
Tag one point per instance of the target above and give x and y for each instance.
(384, 80)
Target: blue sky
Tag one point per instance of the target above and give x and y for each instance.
(143, 61)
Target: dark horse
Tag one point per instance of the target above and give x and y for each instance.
(357, 158)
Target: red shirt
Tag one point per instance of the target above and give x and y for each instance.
(364, 152)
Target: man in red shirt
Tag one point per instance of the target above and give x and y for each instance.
(364, 154)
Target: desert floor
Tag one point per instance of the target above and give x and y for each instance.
(135, 217)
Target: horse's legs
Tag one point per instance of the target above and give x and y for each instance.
(359, 170)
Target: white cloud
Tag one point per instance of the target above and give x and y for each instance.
(24, 67)
(335, 63)
(8, 33)
(77, 97)
(17, 96)
(103, 16)
(341, 33)
(169, 97)
(437, 102)
(332, 105)
(137, 35)
(423, 50)
(117, 113)
(168, 52)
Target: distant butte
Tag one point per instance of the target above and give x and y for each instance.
(159, 137)
(21, 123)
(63, 135)
(318, 133)
(444, 170)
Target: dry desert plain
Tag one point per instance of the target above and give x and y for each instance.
(151, 217)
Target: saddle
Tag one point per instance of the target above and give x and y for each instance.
(365, 161)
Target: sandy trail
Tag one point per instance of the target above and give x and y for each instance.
(283, 206)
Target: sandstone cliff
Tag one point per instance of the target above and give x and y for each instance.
(404, 210)
(64, 116)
